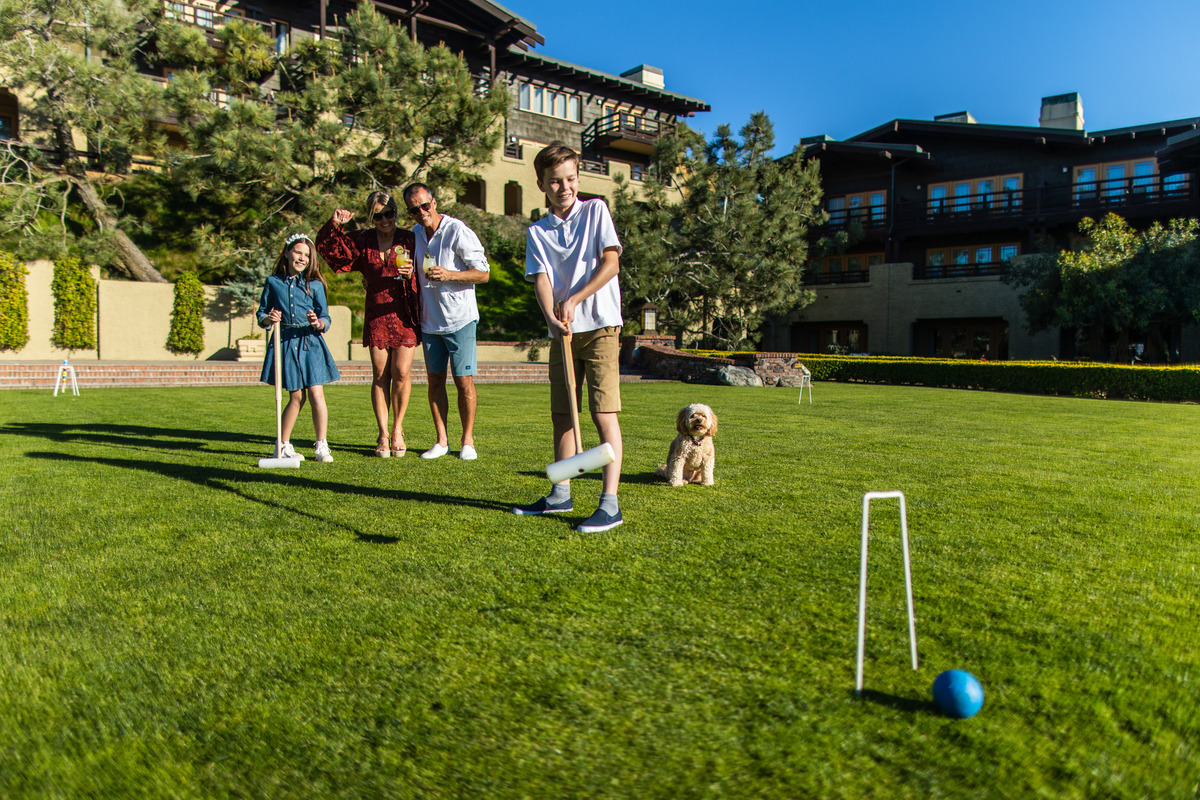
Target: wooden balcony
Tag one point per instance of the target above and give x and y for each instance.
(629, 132)
(1140, 197)
(836, 278)
(210, 19)
(929, 272)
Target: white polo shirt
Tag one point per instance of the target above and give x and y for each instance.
(448, 305)
(569, 252)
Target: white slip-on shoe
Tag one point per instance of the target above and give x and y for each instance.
(468, 453)
(437, 451)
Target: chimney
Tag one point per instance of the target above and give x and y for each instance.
(646, 75)
(960, 116)
(1062, 111)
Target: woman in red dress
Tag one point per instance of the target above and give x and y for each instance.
(392, 332)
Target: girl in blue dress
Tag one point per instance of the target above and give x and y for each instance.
(294, 298)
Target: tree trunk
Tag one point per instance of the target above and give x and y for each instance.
(132, 258)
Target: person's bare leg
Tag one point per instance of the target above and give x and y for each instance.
(609, 428)
(439, 406)
(381, 380)
(291, 412)
(401, 364)
(467, 402)
(320, 412)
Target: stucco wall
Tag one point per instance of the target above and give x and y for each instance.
(891, 301)
(134, 320)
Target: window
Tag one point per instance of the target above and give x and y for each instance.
(175, 11)
(864, 208)
(962, 262)
(542, 100)
(1175, 184)
(1115, 181)
(975, 194)
(204, 17)
(6, 127)
(283, 36)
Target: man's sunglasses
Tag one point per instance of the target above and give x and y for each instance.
(387, 213)
(415, 210)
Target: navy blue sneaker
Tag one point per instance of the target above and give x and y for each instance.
(600, 521)
(544, 506)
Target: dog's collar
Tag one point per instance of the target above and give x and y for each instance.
(696, 441)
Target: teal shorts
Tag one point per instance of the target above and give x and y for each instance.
(456, 348)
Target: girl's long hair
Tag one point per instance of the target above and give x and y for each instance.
(312, 272)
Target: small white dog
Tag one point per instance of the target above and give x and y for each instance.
(691, 458)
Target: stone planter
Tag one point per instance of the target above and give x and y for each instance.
(251, 349)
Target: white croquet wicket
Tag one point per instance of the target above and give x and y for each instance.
(66, 372)
(862, 581)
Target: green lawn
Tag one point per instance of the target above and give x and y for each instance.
(177, 622)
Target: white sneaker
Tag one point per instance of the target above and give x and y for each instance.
(437, 451)
(287, 451)
(322, 453)
(468, 453)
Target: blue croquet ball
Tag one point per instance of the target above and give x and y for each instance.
(958, 693)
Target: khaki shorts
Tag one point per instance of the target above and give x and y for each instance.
(596, 353)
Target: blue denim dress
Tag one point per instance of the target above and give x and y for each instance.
(306, 359)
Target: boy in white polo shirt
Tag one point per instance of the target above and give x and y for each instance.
(572, 257)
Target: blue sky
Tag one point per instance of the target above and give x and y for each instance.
(841, 67)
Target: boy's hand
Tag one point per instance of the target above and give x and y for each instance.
(341, 217)
(565, 310)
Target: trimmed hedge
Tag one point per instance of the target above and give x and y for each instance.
(1173, 384)
(187, 316)
(14, 304)
(74, 306)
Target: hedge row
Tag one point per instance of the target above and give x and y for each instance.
(14, 304)
(1173, 384)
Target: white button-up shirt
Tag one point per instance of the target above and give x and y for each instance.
(448, 305)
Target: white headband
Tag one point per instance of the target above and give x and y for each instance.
(295, 237)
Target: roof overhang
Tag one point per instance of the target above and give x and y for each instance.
(536, 65)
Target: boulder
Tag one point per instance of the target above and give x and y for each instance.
(738, 376)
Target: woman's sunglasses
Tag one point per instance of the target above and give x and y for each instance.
(415, 210)
(387, 213)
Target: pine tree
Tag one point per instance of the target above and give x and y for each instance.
(719, 240)
(73, 60)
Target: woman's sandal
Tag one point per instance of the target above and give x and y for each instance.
(399, 452)
(383, 447)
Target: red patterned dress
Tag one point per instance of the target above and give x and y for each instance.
(393, 312)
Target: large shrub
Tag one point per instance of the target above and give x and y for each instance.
(187, 316)
(14, 304)
(74, 305)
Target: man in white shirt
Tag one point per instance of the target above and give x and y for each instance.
(453, 262)
(572, 257)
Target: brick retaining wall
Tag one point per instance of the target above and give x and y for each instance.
(99, 374)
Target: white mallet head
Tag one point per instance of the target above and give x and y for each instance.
(583, 462)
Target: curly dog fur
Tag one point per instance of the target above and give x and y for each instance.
(692, 458)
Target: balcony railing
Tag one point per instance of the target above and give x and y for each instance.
(834, 278)
(514, 150)
(593, 167)
(974, 270)
(865, 216)
(208, 18)
(1069, 201)
(612, 128)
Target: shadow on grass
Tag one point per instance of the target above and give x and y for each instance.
(141, 436)
(910, 704)
(232, 481)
